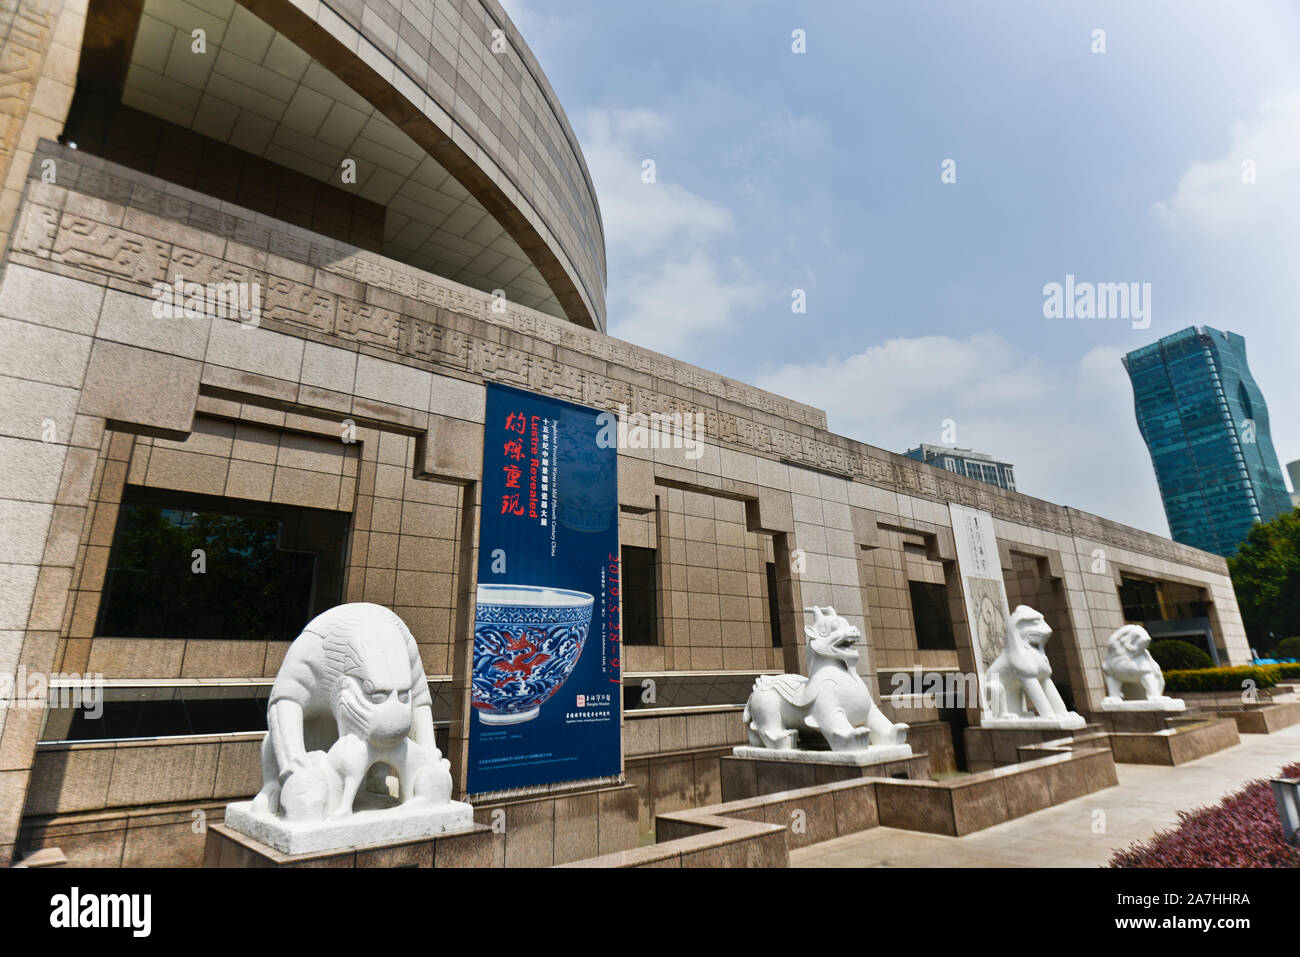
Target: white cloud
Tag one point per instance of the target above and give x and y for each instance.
(669, 285)
(644, 219)
(1006, 402)
(1211, 197)
(664, 306)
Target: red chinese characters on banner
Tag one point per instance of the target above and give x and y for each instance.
(531, 450)
(511, 502)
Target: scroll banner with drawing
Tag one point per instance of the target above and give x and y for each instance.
(546, 680)
(982, 585)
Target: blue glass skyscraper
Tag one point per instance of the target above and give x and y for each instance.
(1206, 425)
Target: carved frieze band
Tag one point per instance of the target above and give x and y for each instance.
(27, 27)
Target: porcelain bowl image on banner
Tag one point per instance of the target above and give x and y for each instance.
(527, 638)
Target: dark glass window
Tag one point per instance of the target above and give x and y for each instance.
(1151, 601)
(175, 716)
(197, 566)
(773, 606)
(931, 617)
(1140, 599)
(640, 617)
(182, 711)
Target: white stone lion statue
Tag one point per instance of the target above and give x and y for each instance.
(1018, 685)
(350, 708)
(833, 700)
(350, 702)
(1132, 675)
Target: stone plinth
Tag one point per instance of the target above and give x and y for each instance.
(1064, 722)
(967, 803)
(1263, 718)
(992, 746)
(1184, 742)
(401, 824)
(1142, 722)
(746, 777)
(882, 754)
(1170, 705)
(476, 846)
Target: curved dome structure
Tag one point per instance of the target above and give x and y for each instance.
(435, 116)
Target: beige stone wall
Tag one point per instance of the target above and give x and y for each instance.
(885, 571)
(713, 588)
(403, 533)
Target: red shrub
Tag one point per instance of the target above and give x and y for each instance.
(1243, 830)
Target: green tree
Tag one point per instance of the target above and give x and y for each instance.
(1266, 576)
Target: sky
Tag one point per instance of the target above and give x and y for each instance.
(1172, 158)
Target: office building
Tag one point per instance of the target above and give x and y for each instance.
(1206, 425)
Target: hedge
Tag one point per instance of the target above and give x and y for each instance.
(1226, 679)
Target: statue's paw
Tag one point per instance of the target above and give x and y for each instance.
(266, 802)
(786, 740)
(430, 784)
(900, 733)
(311, 792)
(859, 738)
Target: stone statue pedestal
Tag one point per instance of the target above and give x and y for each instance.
(475, 846)
(1182, 739)
(377, 820)
(1167, 705)
(997, 743)
(879, 754)
(751, 772)
(1062, 722)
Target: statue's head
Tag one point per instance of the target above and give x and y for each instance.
(1029, 625)
(1131, 640)
(367, 655)
(833, 636)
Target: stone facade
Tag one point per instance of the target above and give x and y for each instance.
(212, 406)
(359, 392)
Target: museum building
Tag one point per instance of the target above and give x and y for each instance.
(262, 261)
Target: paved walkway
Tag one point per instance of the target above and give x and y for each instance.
(1147, 799)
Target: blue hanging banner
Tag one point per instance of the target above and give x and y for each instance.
(547, 638)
